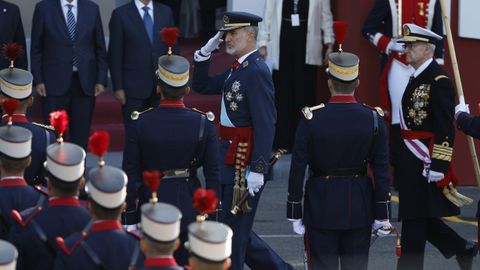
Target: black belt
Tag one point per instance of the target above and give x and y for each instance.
(344, 172)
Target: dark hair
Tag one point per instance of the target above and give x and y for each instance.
(62, 188)
(13, 164)
(104, 213)
(343, 87)
(170, 92)
(158, 247)
(204, 264)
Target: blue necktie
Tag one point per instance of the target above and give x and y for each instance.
(148, 23)
(71, 25)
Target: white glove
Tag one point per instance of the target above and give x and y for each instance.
(382, 227)
(254, 182)
(461, 108)
(298, 226)
(434, 176)
(212, 44)
(394, 46)
(131, 228)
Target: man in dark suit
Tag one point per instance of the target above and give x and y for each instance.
(134, 48)
(11, 30)
(426, 150)
(69, 62)
(338, 143)
(246, 133)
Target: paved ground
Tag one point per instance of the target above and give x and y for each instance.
(272, 225)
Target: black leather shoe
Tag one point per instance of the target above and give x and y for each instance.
(465, 257)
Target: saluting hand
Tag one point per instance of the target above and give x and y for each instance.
(212, 44)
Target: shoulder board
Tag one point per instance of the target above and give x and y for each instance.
(376, 108)
(41, 189)
(308, 111)
(136, 114)
(27, 215)
(63, 246)
(439, 77)
(210, 115)
(133, 234)
(48, 127)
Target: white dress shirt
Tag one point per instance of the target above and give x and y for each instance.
(140, 6)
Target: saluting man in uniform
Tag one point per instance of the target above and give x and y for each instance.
(428, 133)
(382, 29)
(247, 128)
(104, 244)
(35, 229)
(15, 156)
(17, 83)
(339, 142)
(174, 140)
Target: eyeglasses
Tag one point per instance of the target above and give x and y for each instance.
(410, 45)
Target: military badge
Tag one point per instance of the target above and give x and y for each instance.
(420, 100)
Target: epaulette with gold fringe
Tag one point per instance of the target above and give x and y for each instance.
(378, 109)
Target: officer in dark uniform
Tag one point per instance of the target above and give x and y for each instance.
(338, 141)
(247, 128)
(382, 29)
(17, 83)
(160, 230)
(210, 245)
(15, 156)
(425, 172)
(105, 244)
(8, 256)
(470, 125)
(175, 141)
(36, 229)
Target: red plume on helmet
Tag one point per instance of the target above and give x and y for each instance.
(59, 120)
(98, 144)
(9, 106)
(12, 51)
(152, 181)
(340, 29)
(169, 36)
(205, 202)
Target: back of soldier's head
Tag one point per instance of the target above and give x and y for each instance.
(106, 185)
(65, 162)
(15, 148)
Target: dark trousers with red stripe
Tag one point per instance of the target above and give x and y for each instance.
(416, 233)
(329, 249)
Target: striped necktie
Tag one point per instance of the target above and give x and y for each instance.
(71, 25)
(148, 23)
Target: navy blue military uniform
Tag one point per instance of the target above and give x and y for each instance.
(470, 126)
(42, 136)
(247, 102)
(428, 135)
(105, 244)
(36, 228)
(170, 138)
(341, 200)
(15, 194)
